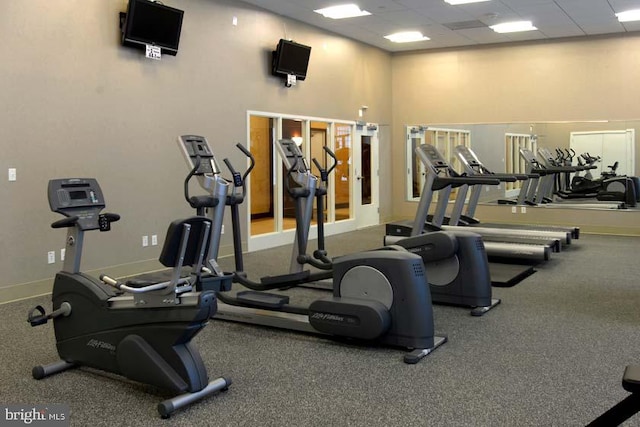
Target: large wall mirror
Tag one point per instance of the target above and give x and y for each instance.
(497, 145)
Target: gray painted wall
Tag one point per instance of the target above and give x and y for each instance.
(77, 103)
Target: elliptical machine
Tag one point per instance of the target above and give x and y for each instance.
(203, 165)
(378, 296)
(139, 330)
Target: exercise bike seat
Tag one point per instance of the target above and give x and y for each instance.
(140, 283)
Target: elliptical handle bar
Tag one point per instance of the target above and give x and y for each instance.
(252, 160)
(230, 166)
(324, 173)
(319, 166)
(239, 180)
(333, 156)
(193, 171)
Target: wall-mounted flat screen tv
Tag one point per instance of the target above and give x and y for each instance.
(152, 23)
(291, 58)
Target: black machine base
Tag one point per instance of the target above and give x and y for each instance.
(507, 275)
(626, 408)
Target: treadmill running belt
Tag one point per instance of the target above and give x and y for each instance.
(507, 275)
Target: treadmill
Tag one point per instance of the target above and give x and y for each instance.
(441, 177)
(546, 187)
(474, 167)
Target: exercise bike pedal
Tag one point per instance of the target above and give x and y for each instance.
(262, 299)
(37, 316)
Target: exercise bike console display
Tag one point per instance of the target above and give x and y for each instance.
(76, 197)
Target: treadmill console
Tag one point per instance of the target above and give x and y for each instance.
(466, 156)
(194, 147)
(81, 197)
(431, 157)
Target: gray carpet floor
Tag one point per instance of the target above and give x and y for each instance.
(552, 354)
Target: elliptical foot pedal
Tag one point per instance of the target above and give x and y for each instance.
(262, 299)
(418, 354)
(287, 279)
(479, 311)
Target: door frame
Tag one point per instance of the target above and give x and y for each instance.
(366, 215)
(281, 237)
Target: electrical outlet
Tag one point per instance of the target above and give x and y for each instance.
(222, 229)
(234, 21)
(514, 209)
(12, 174)
(523, 209)
(63, 252)
(154, 240)
(145, 241)
(51, 257)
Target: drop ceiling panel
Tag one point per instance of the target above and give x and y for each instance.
(554, 18)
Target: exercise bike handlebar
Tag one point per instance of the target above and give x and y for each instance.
(72, 221)
(65, 222)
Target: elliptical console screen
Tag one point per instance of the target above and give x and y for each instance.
(196, 147)
(294, 156)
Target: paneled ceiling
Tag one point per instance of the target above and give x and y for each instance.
(435, 18)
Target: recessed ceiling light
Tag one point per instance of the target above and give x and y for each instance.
(342, 11)
(406, 37)
(629, 15)
(456, 2)
(513, 27)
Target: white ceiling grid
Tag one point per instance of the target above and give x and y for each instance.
(553, 18)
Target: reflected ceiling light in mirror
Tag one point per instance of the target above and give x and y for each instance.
(629, 15)
(513, 27)
(457, 2)
(342, 11)
(406, 37)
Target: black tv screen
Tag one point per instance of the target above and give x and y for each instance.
(152, 23)
(291, 58)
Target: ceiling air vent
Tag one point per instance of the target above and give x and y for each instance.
(465, 25)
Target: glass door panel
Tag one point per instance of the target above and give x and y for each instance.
(318, 140)
(365, 173)
(343, 147)
(262, 189)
